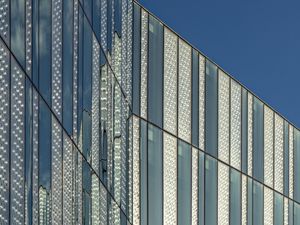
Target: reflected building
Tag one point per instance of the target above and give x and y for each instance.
(109, 117)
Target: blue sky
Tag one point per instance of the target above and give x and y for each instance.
(257, 42)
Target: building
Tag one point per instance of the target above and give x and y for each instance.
(109, 117)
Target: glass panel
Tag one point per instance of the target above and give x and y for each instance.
(154, 175)
(144, 172)
(86, 192)
(296, 213)
(155, 71)
(278, 209)
(17, 29)
(184, 91)
(201, 189)
(44, 46)
(184, 183)
(250, 202)
(136, 59)
(291, 212)
(235, 197)
(223, 116)
(258, 139)
(258, 203)
(170, 179)
(67, 65)
(87, 5)
(44, 164)
(211, 175)
(297, 165)
(211, 104)
(195, 99)
(244, 131)
(97, 18)
(170, 81)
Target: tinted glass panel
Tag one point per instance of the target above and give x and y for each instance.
(278, 209)
(211, 116)
(258, 204)
(258, 139)
(136, 59)
(154, 175)
(184, 183)
(235, 197)
(250, 202)
(155, 71)
(210, 190)
(144, 177)
(201, 189)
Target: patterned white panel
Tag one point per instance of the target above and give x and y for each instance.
(201, 101)
(268, 206)
(17, 145)
(4, 134)
(103, 205)
(136, 170)
(184, 91)
(123, 81)
(95, 200)
(244, 200)
(170, 81)
(56, 172)
(291, 161)
(28, 35)
(278, 161)
(129, 49)
(250, 132)
(95, 106)
(170, 179)
(67, 180)
(35, 163)
(268, 146)
(57, 57)
(103, 24)
(75, 69)
(223, 116)
(286, 211)
(130, 168)
(144, 59)
(194, 186)
(4, 19)
(79, 189)
(223, 194)
(235, 129)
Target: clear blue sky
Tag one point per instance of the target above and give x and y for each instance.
(257, 42)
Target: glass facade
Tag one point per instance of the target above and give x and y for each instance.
(107, 116)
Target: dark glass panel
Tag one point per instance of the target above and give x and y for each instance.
(278, 209)
(144, 176)
(97, 18)
(250, 202)
(258, 203)
(211, 106)
(235, 197)
(201, 189)
(258, 139)
(154, 175)
(155, 71)
(136, 70)
(184, 183)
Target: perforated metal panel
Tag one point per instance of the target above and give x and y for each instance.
(195, 186)
(136, 170)
(144, 59)
(235, 129)
(170, 81)
(17, 145)
(4, 20)
(291, 161)
(170, 179)
(223, 194)
(28, 35)
(268, 145)
(268, 206)
(286, 211)
(201, 101)
(278, 160)
(244, 200)
(104, 25)
(250, 132)
(184, 91)
(4, 135)
(95, 200)
(223, 116)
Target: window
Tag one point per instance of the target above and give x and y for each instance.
(258, 203)
(235, 197)
(211, 104)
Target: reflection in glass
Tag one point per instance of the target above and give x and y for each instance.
(258, 203)
(235, 197)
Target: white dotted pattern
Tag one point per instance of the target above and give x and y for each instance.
(223, 194)
(268, 206)
(201, 101)
(268, 146)
(278, 161)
